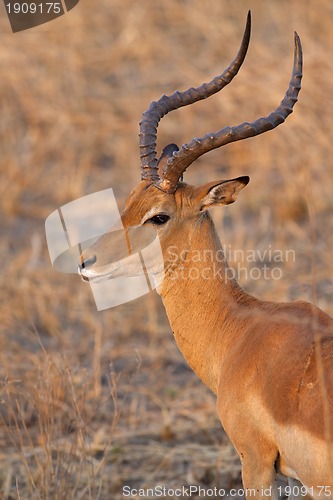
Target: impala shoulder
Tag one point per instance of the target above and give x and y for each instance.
(313, 312)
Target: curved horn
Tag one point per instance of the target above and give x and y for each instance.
(180, 160)
(156, 110)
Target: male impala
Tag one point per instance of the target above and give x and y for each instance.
(270, 364)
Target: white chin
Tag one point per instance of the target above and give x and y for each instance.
(93, 277)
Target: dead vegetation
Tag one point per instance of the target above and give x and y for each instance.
(90, 402)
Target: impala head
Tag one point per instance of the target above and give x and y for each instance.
(162, 205)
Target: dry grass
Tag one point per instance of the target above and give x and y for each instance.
(92, 401)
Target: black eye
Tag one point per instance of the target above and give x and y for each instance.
(159, 219)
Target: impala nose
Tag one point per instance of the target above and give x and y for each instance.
(85, 263)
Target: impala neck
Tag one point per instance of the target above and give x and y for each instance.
(203, 303)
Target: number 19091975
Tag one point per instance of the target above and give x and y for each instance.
(34, 8)
(297, 491)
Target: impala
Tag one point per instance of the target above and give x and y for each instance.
(269, 364)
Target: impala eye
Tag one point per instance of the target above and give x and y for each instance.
(159, 219)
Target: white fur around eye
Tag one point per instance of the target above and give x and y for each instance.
(153, 211)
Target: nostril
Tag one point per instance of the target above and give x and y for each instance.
(84, 263)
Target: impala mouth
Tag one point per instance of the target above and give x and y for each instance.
(93, 277)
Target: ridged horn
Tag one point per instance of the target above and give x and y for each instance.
(180, 160)
(158, 109)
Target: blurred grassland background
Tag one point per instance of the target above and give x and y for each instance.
(92, 401)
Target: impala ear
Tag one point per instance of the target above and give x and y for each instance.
(166, 154)
(220, 193)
